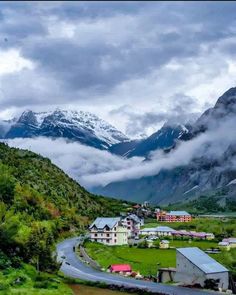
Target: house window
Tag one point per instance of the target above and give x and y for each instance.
(108, 235)
(95, 235)
(108, 241)
(95, 240)
(115, 235)
(115, 240)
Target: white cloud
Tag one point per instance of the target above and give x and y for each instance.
(92, 167)
(74, 158)
(11, 61)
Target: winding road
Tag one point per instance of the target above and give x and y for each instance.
(73, 267)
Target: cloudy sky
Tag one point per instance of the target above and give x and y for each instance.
(135, 64)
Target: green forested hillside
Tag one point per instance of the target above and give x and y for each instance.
(40, 204)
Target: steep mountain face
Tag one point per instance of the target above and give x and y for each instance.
(162, 139)
(224, 108)
(83, 127)
(211, 176)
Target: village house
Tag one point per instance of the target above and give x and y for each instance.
(193, 266)
(164, 244)
(193, 234)
(173, 216)
(231, 241)
(108, 231)
(120, 268)
(157, 231)
(224, 246)
(133, 223)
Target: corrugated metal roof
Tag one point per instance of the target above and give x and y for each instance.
(202, 260)
(149, 229)
(101, 222)
(178, 213)
(159, 229)
(165, 228)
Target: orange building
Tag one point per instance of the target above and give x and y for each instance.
(173, 216)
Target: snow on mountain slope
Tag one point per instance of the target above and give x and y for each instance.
(81, 126)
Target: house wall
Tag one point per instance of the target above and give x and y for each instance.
(116, 236)
(122, 236)
(188, 273)
(164, 233)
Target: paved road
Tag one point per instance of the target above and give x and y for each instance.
(77, 269)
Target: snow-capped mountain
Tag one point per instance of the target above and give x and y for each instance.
(164, 138)
(80, 126)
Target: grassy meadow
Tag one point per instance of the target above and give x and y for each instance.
(148, 260)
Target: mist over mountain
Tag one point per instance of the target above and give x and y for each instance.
(202, 162)
(176, 163)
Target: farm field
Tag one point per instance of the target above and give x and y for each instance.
(143, 260)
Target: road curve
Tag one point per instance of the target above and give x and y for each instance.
(73, 267)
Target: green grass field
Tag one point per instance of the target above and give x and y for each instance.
(148, 260)
(144, 260)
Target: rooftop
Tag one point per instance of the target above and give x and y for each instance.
(121, 267)
(101, 222)
(164, 228)
(202, 260)
(159, 229)
(178, 213)
(230, 240)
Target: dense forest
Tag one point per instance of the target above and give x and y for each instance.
(40, 204)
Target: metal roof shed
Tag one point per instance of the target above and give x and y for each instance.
(195, 266)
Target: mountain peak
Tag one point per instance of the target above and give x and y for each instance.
(80, 126)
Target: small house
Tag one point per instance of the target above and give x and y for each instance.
(193, 266)
(120, 268)
(231, 241)
(164, 244)
(224, 246)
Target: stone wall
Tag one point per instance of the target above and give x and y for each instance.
(88, 259)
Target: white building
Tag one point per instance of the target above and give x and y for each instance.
(108, 231)
(193, 266)
(157, 231)
(231, 241)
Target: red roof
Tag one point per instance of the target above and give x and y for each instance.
(120, 267)
(136, 206)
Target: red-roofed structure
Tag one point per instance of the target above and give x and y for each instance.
(120, 268)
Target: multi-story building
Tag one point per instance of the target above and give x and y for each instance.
(108, 231)
(133, 223)
(173, 216)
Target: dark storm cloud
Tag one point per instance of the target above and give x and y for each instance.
(90, 50)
